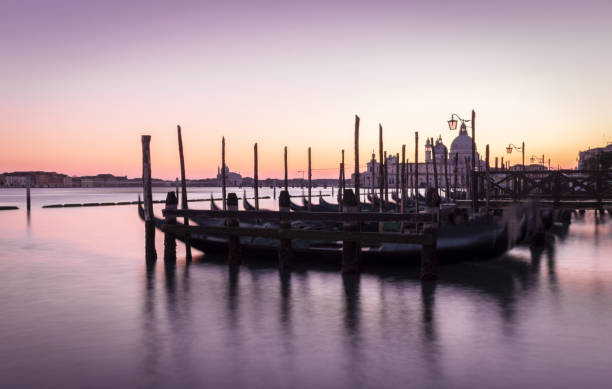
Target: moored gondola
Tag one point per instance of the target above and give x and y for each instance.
(477, 239)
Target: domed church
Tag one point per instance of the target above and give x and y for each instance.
(460, 151)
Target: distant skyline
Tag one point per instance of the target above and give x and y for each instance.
(82, 80)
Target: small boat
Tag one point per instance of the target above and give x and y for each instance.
(213, 205)
(246, 205)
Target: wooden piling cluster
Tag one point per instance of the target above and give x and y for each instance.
(351, 236)
(351, 217)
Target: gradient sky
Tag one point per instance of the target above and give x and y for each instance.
(82, 80)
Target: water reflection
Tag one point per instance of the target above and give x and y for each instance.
(283, 312)
(150, 333)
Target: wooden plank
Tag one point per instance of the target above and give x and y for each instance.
(366, 237)
(308, 216)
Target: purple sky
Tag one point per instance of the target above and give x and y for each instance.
(82, 79)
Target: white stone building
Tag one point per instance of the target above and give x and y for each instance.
(460, 151)
(231, 178)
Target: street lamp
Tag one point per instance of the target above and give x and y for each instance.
(536, 159)
(521, 149)
(452, 123)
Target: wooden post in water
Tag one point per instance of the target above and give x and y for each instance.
(150, 253)
(309, 181)
(446, 182)
(28, 185)
(410, 179)
(468, 180)
(496, 166)
(339, 188)
(426, 174)
(487, 179)
(428, 249)
(357, 183)
(223, 188)
(403, 183)
(184, 204)
(473, 175)
(381, 170)
(397, 174)
(342, 181)
(286, 182)
(350, 249)
(416, 170)
(456, 174)
(502, 164)
(233, 253)
(285, 251)
(386, 177)
(169, 238)
(176, 184)
(256, 177)
(435, 166)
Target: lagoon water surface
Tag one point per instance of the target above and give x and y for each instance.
(79, 308)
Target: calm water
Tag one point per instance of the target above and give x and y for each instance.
(79, 308)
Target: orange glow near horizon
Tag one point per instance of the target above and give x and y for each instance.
(84, 83)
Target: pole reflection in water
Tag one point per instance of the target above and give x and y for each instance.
(87, 307)
(351, 283)
(150, 333)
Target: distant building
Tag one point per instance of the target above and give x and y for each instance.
(15, 181)
(231, 178)
(460, 151)
(587, 159)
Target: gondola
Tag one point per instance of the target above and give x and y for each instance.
(476, 240)
(246, 205)
(213, 205)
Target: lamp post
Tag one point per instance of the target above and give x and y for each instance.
(521, 149)
(536, 159)
(452, 125)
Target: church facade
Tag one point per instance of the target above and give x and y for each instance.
(459, 157)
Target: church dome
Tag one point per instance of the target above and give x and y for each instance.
(461, 144)
(440, 149)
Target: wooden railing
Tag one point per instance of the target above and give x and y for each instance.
(554, 185)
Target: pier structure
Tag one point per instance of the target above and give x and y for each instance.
(482, 191)
(418, 228)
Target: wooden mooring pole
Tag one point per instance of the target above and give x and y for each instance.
(357, 183)
(223, 188)
(285, 251)
(233, 254)
(351, 250)
(342, 181)
(309, 181)
(286, 181)
(456, 173)
(339, 187)
(386, 177)
(487, 180)
(28, 185)
(184, 204)
(473, 170)
(256, 177)
(150, 253)
(435, 166)
(169, 238)
(403, 183)
(397, 174)
(446, 182)
(416, 170)
(381, 171)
